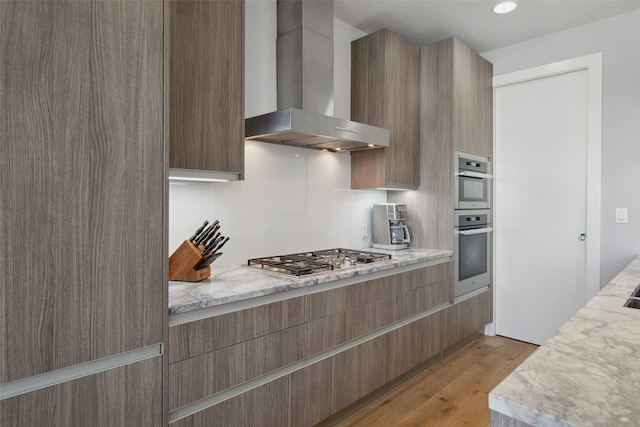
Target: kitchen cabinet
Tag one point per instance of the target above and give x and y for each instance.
(420, 340)
(472, 121)
(192, 339)
(456, 98)
(343, 314)
(271, 404)
(385, 92)
(467, 317)
(216, 353)
(201, 376)
(501, 420)
(83, 246)
(343, 379)
(206, 88)
(318, 390)
(313, 340)
(129, 395)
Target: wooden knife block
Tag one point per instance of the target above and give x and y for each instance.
(183, 261)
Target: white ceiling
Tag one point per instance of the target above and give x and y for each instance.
(425, 21)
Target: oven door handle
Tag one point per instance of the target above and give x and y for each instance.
(475, 231)
(472, 174)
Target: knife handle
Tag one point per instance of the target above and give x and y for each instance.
(198, 231)
(203, 235)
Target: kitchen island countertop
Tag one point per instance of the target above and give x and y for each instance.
(240, 282)
(588, 372)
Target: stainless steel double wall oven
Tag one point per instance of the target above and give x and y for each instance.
(472, 222)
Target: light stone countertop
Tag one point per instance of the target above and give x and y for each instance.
(588, 373)
(237, 283)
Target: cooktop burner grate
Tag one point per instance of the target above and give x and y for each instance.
(317, 261)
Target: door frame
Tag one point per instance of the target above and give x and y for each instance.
(593, 65)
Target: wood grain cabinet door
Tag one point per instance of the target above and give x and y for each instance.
(385, 92)
(467, 317)
(472, 128)
(129, 395)
(82, 172)
(206, 86)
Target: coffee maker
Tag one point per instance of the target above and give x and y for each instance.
(388, 230)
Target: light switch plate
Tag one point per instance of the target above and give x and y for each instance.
(621, 215)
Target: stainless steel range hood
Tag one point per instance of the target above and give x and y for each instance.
(306, 129)
(305, 87)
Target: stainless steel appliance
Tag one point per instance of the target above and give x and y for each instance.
(304, 263)
(305, 87)
(473, 181)
(472, 250)
(388, 230)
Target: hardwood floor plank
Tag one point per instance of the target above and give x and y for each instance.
(453, 392)
(475, 412)
(461, 391)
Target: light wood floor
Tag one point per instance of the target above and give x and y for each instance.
(453, 392)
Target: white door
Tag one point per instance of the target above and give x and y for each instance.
(544, 198)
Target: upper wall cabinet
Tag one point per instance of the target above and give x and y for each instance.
(206, 88)
(385, 92)
(465, 89)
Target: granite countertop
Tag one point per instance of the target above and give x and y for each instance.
(588, 373)
(237, 283)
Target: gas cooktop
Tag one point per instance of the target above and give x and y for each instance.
(317, 261)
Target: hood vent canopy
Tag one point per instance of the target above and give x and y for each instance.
(305, 86)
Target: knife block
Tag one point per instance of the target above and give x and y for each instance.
(183, 261)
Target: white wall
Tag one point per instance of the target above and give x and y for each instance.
(260, 34)
(618, 39)
(343, 35)
(292, 199)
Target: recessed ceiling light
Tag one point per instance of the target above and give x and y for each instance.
(504, 7)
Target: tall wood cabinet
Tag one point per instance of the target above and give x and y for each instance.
(82, 249)
(206, 88)
(385, 82)
(456, 115)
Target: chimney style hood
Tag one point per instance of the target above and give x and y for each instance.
(305, 86)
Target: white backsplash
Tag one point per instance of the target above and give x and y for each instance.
(291, 200)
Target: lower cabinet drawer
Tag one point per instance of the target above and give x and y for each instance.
(467, 317)
(424, 298)
(269, 405)
(199, 377)
(420, 277)
(203, 336)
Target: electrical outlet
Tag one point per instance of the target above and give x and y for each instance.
(363, 232)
